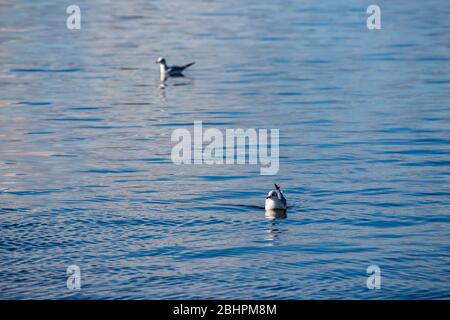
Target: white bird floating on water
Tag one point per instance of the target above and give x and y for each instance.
(172, 71)
(275, 200)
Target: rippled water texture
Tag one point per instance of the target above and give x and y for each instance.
(86, 176)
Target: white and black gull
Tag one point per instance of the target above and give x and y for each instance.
(170, 71)
(275, 200)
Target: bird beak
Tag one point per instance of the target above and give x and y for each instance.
(267, 197)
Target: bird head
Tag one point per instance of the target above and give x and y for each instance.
(272, 194)
(161, 60)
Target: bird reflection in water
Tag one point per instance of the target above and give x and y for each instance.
(274, 231)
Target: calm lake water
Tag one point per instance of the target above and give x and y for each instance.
(86, 176)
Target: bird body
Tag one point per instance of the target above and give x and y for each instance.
(275, 200)
(171, 71)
